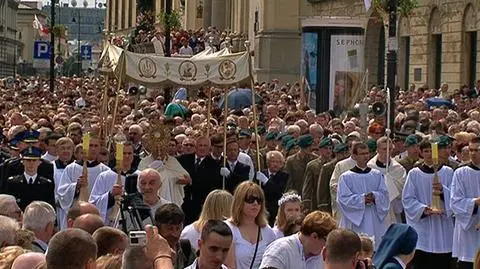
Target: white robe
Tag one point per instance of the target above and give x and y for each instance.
(68, 182)
(340, 168)
(465, 189)
(435, 233)
(355, 215)
(395, 180)
(61, 214)
(101, 189)
(170, 173)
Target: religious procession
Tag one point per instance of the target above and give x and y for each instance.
(183, 157)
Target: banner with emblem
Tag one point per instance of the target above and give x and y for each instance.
(221, 68)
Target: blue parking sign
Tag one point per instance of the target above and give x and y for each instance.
(41, 50)
(86, 51)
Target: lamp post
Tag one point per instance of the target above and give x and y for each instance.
(79, 55)
(52, 46)
(392, 59)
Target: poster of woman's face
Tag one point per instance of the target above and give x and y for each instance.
(346, 84)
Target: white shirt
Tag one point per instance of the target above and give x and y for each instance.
(28, 177)
(400, 262)
(186, 50)
(49, 157)
(80, 102)
(244, 249)
(340, 168)
(287, 252)
(191, 234)
(194, 265)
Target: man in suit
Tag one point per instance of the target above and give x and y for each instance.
(15, 167)
(273, 182)
(40, 218)
(30, 185)
(235, 172)
(205, 174)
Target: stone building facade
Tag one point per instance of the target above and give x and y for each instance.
(437, 43)
(9, 44)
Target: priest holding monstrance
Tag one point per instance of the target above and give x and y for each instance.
(173, 175)
(426, 201)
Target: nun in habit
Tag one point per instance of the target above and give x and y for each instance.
(397, 247)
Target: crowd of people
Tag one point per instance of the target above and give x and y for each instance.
(82, 167)
(183, 42)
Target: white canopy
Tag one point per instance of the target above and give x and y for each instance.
(219, 68)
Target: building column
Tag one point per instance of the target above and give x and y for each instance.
(207, 13)
(190, 14)
(218, 14)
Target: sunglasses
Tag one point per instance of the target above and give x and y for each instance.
(252, 199)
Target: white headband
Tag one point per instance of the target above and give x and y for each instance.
(289, 198)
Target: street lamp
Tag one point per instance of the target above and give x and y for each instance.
(79, 57)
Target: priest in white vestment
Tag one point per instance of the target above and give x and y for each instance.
(173, 175)
(65, 149)
(68, 189)
(465, 200)
(106, 187)
(362, 197)
(394, 176)
(435, 229)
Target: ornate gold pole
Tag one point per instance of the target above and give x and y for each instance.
(104, 111)
(113, 216)
(436, 201)
(84, 191)
(254, 106)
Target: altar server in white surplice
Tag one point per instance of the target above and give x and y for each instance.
(465, 200)
(68, 189)
(435, 229)
(65, 148)
(395, 176)
(362, 197)
(106, 187)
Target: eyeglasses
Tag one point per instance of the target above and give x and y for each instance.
(252, 199)
(188, 145)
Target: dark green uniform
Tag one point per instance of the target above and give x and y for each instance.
(312, 175)
(324, 202)
(295, 167)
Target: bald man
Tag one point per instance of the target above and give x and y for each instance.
(79, 209)
(29, 260)
(135, 133)
(89, 223)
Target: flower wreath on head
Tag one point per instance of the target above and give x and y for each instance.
(289, 197)
(371, 238)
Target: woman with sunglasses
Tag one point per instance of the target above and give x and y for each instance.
(249, 224)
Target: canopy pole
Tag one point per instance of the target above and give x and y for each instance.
(209, 108)
(225, 103)
(254, 109)
(104, 111)
(115, 108)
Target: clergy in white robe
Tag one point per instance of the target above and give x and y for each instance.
(355, 214)
(67, 189)
(173, 176)
(64, 147)
(362, 197)
(465, 200)
(340, 168)
(106, 187)
(394, 176)
(435, 231)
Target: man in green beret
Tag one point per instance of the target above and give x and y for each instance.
(372, 147)
(296, 164)
(412, 153)
(270, 145)
(444, 152)
(312, 174)
(323, 197)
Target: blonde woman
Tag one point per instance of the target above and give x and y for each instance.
(217, 206)
(251, 233)
(109, 261)
(9, 254)
(289, 211)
